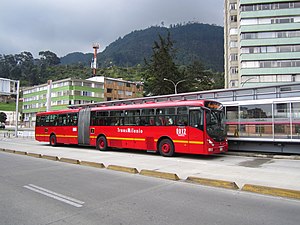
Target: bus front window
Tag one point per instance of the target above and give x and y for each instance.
(215, 125)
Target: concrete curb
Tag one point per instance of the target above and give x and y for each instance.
(153, 173)
(50, 157)
(20, 153)
(67, 160)
(92, 164)
(35, 155)
(213, 183)
(123, 169)
(9, 151)
(279, 192)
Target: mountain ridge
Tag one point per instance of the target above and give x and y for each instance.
(192, 41)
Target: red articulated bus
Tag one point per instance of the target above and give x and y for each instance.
(187, 126)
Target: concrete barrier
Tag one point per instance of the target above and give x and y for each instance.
(35, 155)
(153, 173)
(279, 192)
(67, 160)
(123, 169)
(92, 164)
(213, 182)
(50, 157)
(9, 150)
(20, 153)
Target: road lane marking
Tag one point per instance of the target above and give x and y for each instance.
(54, 195)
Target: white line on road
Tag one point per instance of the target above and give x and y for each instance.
(54, 195)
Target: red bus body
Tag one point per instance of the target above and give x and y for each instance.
(96, 131)
(67, 134)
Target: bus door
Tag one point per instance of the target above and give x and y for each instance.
(195, 132)
(84, 126)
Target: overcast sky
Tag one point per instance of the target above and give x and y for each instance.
(65, 26)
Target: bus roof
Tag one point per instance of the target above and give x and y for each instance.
(151, 105)
(58, 112)
(147, 105)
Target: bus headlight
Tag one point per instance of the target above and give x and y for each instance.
(210, 142)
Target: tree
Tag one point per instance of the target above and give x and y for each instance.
(198, 77)
(3, 117)
(25, 62)
(49, 58)
(160, 67)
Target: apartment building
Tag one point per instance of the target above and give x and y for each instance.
(118, 89)
(262, 42)
(73, 92)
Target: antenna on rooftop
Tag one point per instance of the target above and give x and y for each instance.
(94, 62)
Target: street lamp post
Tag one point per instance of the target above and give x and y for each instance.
(175, 84)
(243, 83)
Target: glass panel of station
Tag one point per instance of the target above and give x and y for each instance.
(273, 121)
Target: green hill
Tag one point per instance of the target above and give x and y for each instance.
(193, 41)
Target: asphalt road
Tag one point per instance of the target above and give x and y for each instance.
(35, 191)
(280, 173)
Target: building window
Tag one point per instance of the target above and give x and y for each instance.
(262, 35)
(270, 6)
(233, 57)
(282, 20)
(233, 18)
(232, 6)
(128, 93)
(233, 83)
(86, 93)
(77, 83)
(234, 70)
(233, 31)
(270, 49)
(233, 44)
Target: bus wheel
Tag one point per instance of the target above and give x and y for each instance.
(53, 141)
(166, 148)
(101, 143)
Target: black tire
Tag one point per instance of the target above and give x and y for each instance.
(166, 148)
(53, 141)
(101, 143)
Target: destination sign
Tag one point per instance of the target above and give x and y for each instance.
(213, 105)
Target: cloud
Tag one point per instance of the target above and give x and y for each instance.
(65, 26)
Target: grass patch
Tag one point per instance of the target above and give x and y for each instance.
(7, 106)
(10, 106)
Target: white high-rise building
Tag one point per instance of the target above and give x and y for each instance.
(262, 42)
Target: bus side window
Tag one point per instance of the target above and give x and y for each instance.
(182, 120)
(148, 117)
(182, 116)
(62, 119)
(196, 119)
(152, 121)
(75, 119)
(160, 121)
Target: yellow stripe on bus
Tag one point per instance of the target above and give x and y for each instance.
(47, 135)
(196, 142)
(67, 136)
(185, 142)
(126, 139)
(119, 138)
(180, 141)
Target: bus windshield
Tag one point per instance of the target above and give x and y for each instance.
(215, 125)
